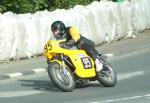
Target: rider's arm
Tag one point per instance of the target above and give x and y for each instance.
(75, 35)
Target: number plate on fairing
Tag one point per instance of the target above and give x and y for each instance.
(86, 61)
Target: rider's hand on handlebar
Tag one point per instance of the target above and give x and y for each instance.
(70, 43)
(67, 44)
(64, 45)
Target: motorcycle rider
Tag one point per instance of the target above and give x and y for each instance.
(73, 37)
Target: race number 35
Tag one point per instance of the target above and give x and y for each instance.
(86, 62)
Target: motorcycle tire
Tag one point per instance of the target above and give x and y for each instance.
(58, 79)
(107, 76)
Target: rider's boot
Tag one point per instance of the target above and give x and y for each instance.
(98, 65)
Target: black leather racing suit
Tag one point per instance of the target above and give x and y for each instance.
(73, 37)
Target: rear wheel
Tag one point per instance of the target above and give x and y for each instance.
(63, 79)
(107, 75)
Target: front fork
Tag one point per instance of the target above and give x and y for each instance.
(63, 65)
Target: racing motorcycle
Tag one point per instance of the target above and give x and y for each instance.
(69, 68)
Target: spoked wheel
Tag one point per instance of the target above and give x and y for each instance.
(63, 79)
(107, 76)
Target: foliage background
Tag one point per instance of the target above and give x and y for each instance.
(31, 6)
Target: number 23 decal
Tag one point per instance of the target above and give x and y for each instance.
(86, 62)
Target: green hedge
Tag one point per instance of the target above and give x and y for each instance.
(31, 6)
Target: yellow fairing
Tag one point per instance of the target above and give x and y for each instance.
(82, 70)
(84, 66)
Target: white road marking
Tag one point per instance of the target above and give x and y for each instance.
(111, 55)
(129, 75)
(122, 99)
(130, 54)
(124, 76)
(25, 93)
(39, 70)
(17, 74)
(18, 93)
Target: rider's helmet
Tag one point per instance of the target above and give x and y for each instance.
(58, 28)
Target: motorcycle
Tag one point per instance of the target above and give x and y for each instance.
(69, 68)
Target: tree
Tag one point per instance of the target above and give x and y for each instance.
(25, 6)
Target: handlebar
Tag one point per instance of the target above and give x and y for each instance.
(63, 45)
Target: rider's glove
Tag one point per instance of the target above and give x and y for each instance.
(70, 43)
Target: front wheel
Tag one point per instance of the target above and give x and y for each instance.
(63, 79)
(107, 76)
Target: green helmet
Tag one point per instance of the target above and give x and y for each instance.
(58, 28)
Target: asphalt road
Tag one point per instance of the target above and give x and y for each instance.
(131, 62)
(133, 85)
